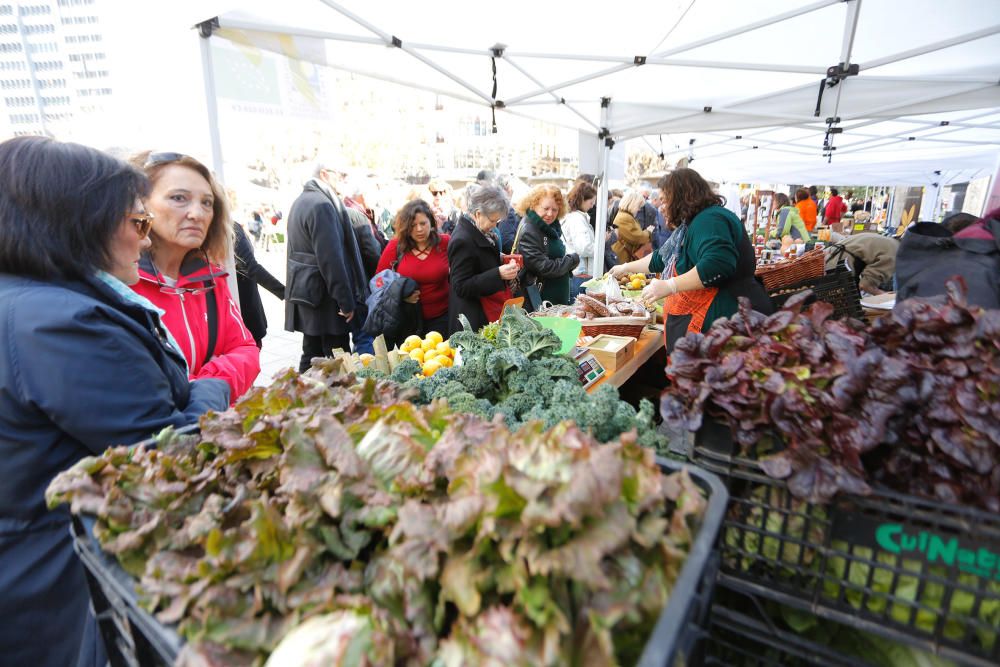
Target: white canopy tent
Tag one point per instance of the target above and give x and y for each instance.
(910, 88)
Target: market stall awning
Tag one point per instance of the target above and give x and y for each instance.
(739, 78)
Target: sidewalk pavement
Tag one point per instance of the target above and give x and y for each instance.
(282, 349)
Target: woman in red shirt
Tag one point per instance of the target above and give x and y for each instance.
(419, 252)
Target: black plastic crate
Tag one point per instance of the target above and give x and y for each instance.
(746, 631)
(904, 568)
(133, 636)
(836, 287)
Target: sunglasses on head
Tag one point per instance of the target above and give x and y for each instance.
(155, 159)
(143, 223)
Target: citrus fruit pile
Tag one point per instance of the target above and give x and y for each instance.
(432, 352)
(634, 281)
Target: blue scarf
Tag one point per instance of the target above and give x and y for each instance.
(671, 248)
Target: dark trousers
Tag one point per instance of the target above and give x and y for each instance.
(321, 346)
(439, 324)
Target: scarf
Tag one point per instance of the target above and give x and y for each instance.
(557, 248)
(671, 248)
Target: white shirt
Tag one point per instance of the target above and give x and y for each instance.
(579, 238)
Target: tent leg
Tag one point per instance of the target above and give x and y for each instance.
(212, 105)
(604, 150)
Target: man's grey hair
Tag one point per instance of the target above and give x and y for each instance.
(503, 181)
(488, 199)
(334, 163)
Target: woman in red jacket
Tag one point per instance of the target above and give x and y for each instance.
(419, 252)
(181, 272)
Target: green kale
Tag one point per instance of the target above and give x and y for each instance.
(405, 370)
(503, 362)
(519, 331)
(466, 403)
(369, 372)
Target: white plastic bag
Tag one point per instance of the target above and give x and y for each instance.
(612, 290)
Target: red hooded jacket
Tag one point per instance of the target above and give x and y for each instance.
(236, 358)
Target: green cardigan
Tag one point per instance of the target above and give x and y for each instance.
(712, 244)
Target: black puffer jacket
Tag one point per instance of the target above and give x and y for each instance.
(929, 255)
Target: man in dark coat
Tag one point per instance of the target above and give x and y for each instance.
(369, 246)
(327, 286)
(249, 274)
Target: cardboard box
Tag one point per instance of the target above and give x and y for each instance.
(612, 351)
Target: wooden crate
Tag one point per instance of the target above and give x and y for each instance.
(612, 351)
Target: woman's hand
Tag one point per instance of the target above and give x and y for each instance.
(509, 270)
(618, 270)
(657, 289)
(413, 298)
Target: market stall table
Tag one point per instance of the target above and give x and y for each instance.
(650, 340)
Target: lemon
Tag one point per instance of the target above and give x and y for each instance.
(427, 345)
(431, 367)
(443, 360)
(417, 355)
(412, 341)
(443, 348)
(366, 359)
(637, 284)
(434, 336)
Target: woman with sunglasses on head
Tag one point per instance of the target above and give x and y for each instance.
(181, 271)
(420, 252)
(85, 363)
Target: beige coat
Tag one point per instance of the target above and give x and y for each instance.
(631, 237)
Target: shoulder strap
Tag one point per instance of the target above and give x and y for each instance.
(517, 237)
(213, 324)
(399, 257)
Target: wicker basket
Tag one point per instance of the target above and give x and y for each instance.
(615, 326)
(809, 265)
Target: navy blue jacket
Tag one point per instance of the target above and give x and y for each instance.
(507, 230)
(81, 369)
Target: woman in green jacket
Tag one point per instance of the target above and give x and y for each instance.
(707, 263)
(789, 222)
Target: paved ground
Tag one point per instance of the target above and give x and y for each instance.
(282, 349)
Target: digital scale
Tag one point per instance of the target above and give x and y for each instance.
(589, 368)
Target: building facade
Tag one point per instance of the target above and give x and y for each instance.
(53, 65)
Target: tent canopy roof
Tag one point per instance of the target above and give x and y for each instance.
(739, 78)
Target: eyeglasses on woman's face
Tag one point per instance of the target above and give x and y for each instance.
(207, 286)
(437, 193)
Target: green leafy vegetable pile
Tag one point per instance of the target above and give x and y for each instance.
(513, 368)
(401, 534)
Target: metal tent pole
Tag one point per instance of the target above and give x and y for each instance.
(602, 191)
(205, 29)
